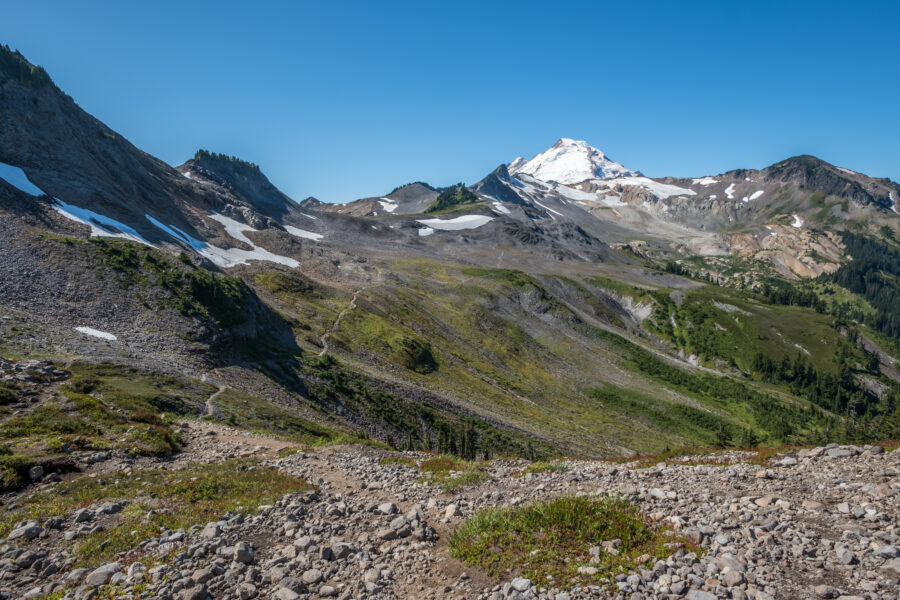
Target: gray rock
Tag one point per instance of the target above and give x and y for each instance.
(82, 515)
(35, 473)
(101, 575)
(246, 590)
(521, 584)
(243, 553)
(388, 508)
(887, 551)
(826, 591)
(700, 595)
(109, 508)
(212, 530)
(197, 592)
(28, 530)
(838, 453)
(846, 556)
(312, 576)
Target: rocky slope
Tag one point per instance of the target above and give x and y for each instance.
(813, 523)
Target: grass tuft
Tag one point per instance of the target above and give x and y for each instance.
(548, 541)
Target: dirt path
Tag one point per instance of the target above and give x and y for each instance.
(340, 317)
(209, 409)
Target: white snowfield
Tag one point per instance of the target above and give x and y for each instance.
(893, 202)
(501, 209)
(223, 257)
(704, 181)
(388, 204)
(101, 225)
(96, 333)
(729, 191)
(756, 194)
(425, 231)
(302, 233)
(570, 161)
(17, 178)
(455, 224)
(798, 222)
(660, 190)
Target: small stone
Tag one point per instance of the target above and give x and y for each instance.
(520, 584)
(388, 508)
(243, 553)
(887, 551)
(312, 576)
(101, 575)
(29, 530)
(35, 473)
(452, 510)
(826, 591)
(212, 530)
(197, 592)
(846, 556)
(700, 595)
(83, 515)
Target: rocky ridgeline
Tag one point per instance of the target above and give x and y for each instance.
(819, 523)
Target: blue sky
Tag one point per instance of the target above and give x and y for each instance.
(342, 100)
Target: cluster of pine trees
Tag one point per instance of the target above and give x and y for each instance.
(452, 196)
(874, 273)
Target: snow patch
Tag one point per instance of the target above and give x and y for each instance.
(101, 225)
(388, 204)
(798, 222)
(704, 181)
(302, 233)
(17, 178)
(848, 171)
(893, 202)
(425, 231)
(501, 209)
(756, 194)
(96, 333)
(729, 192)
(456, 224)
(223, 257)
(660, 190)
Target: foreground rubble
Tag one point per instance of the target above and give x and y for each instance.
(817, 523)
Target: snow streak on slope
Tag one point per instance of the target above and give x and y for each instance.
(96, 333)
(459, 223)
(302, 233)
(225, 257)
(16, 177)
(798, 222)
(101, 225)
(660, 190)
(571, 161)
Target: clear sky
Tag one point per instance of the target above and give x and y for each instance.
(342, 100)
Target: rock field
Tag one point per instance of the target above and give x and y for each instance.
(813, 523)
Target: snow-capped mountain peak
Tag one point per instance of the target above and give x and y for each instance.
(571, 161)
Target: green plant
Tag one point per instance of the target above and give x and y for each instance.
(549, 541)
